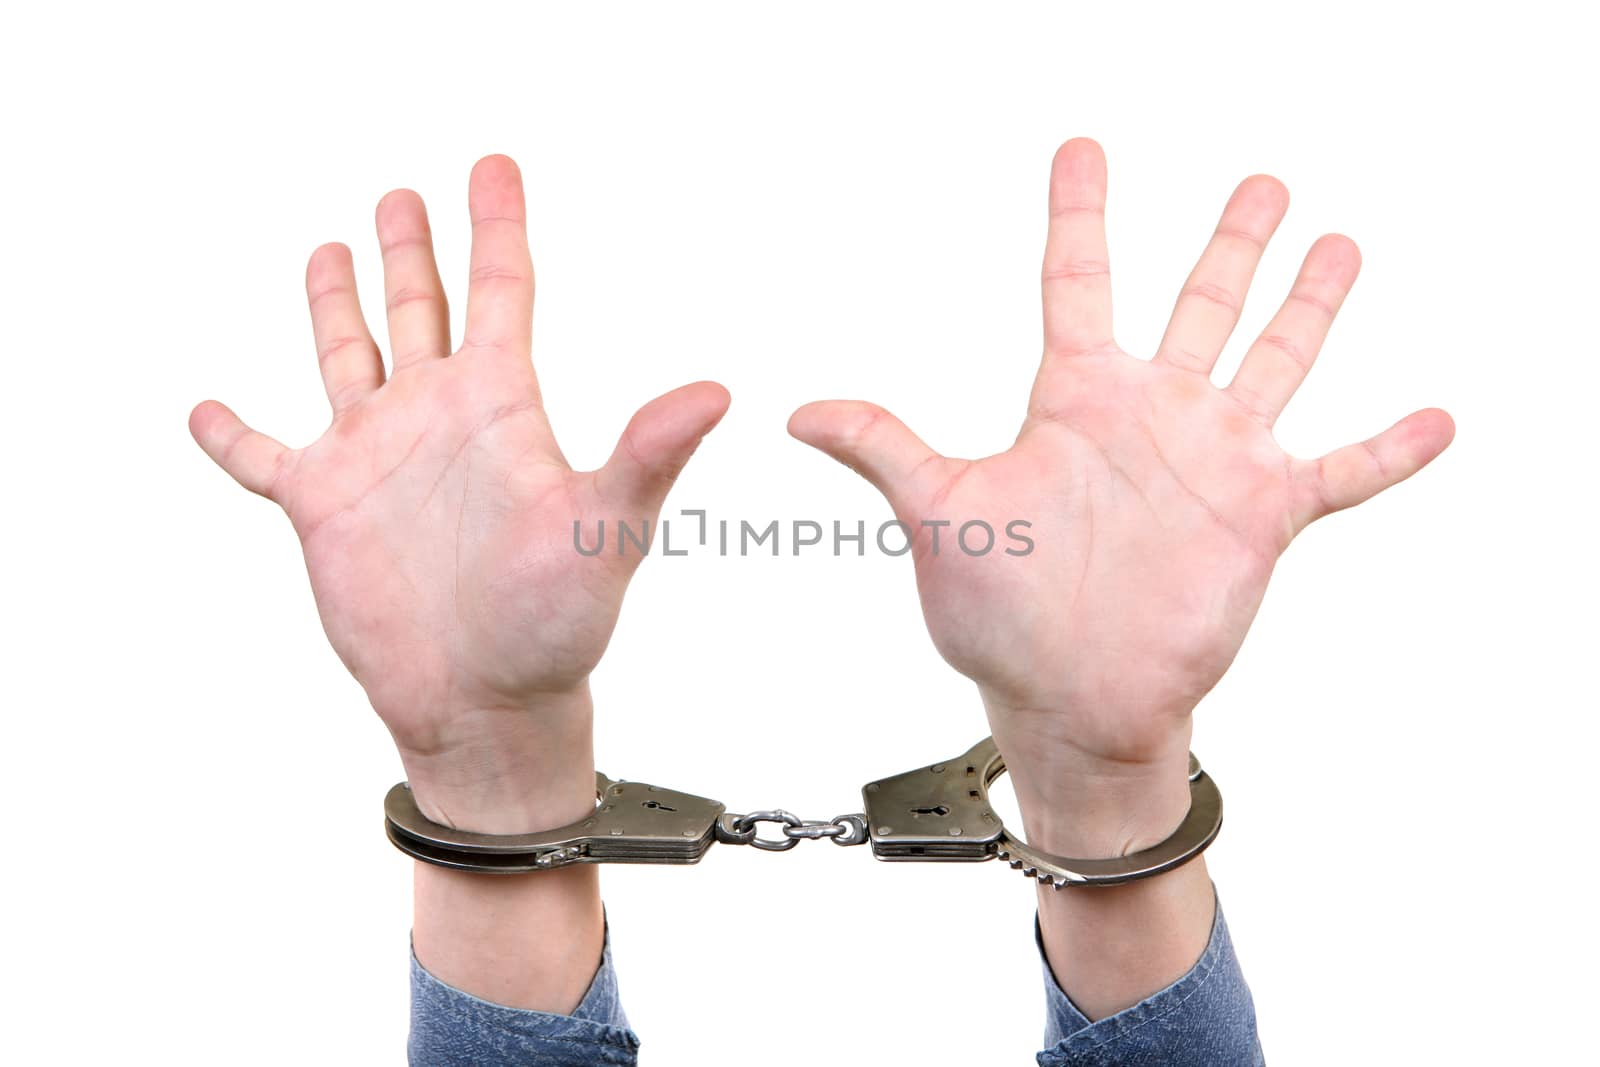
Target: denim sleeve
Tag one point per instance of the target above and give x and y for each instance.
(1204, 1018)
(450, 1028)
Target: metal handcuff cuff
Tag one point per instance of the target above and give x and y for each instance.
(938, 813)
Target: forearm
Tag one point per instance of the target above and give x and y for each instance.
(524, 941)
(1141, 972)
(1110, 947)
(1205, 1018)
(530, 941)
(513, 968)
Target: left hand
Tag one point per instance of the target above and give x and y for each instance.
(1159, 504)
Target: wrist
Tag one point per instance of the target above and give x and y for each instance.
(1095, 801)
(1101, 813)
(508, 769)
(525, 941)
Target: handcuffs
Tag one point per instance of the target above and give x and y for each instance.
(937, 813)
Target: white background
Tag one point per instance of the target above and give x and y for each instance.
(801, 203)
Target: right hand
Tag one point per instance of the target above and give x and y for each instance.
(436, 514)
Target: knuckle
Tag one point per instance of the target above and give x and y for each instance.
(347, 394)
(405, 295)
(1185, 359)
(1076, 269)
(1305, 296)
(391, 245)
(860, 432)
(1077, 209)
(1291, 349)
(322, 293)
(1239, 233)
(1212, 293)
(496, 274)
(334, 345)
(1251, 400)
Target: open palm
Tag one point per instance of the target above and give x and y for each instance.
(436, 512)
(1159, 503)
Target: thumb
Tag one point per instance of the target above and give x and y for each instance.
(657, 444)
(252, 459)
(870, 441)
(1347, 476)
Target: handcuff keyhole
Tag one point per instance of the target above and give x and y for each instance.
(937, 809)
(658, 806)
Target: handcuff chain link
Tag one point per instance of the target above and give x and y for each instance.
(842, 830)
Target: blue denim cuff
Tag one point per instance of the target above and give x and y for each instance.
(1204, 1018)
(450, 1028)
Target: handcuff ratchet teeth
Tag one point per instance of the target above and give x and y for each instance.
(936, 813)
